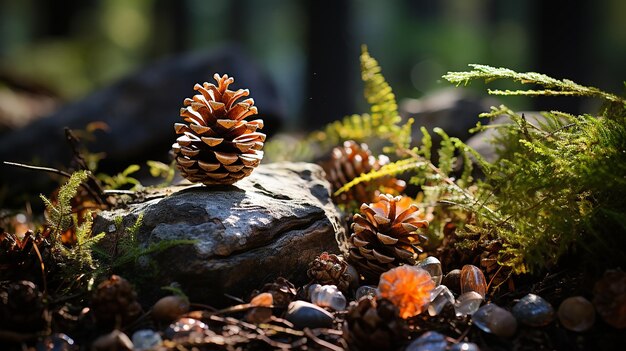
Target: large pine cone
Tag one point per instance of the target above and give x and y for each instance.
(348, 162)
(21, 307)
(374, 325)
(114, 303)
(217, 145)
(385, 235)
(330, 269)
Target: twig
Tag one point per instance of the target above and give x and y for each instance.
(38, 168)
(59, 172)
(321, 342)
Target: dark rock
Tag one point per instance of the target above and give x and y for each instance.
(307, 315)
(270, 224)
(454, 110)
(140, 111)
(429, 341)
(533, 310)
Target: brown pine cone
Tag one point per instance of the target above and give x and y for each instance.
(348, 162)
(282, 290)
(609, 298)
(330, 269)
(114, 303)
(385, 235)
(21, 307)
(496, 274)
(217, 145)
(374, 325)
(19, 259)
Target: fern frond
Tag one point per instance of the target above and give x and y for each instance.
(59, 217)
(390, 169)
(553, 86)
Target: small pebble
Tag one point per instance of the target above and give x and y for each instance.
(146, 339)
(453, 281)
(307, 315)
(468, 303)
(533, 310)
(439, 298)
(429, 341)
(577, 314)
(369, 290)
(473, 279)
(184, 327)
(56, 342)
(114, 341)
(327, 296)
(465, 346)
(433, 266)
(169, 308)
(495, 320)
(262, 300)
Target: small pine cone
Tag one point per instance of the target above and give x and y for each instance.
(330, 269)
(385, 235)
(609, 298)
(374, 325)
(114, 303)
(497, 274)
(21, 307)
(217, 145)
(19, 259)
(348, 162)
(282, 290)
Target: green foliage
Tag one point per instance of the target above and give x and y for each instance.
(556, 187)
(75, 260)
(381, 128)
(80, 253)
(162, 170)
(59, 214)
(122, 179)
(559, 181)
(551, 86)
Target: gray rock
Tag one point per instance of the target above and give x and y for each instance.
(271, 224)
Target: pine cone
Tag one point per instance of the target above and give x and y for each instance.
(497, 275)
(21, 307)
(330, 269)
(374, 325)
(115, 302)
(282, 290)
(386, 235)
(217, 146)
(348, 162)
(609, 298)
(19, 259)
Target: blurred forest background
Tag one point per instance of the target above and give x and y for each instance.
(311, 48)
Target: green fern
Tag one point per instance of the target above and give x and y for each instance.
(552, 86)
(59, 215)
(80, 253)
(559, 180)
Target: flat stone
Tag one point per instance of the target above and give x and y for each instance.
(270, 224)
